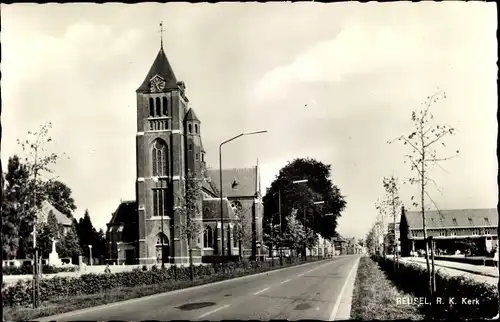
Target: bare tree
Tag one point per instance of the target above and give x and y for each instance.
(392, 203)
(190, 225)
(423, 141)
(242, 230)
(380, 224)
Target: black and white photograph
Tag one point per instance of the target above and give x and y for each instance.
(249, 161)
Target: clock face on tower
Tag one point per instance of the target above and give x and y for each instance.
(157, 84)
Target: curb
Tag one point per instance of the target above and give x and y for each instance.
(461, 269)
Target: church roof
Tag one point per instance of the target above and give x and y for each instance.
(240, 182)
(162, 68)
(211, 209)
(125, 213)
(191, 116)
(47, 208)
(453, 218)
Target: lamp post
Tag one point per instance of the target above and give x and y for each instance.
(90, 258)
(220, 187)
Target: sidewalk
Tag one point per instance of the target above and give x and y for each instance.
(485, 274)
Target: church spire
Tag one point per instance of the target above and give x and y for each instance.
(161, 34)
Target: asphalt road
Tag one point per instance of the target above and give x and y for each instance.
(310, 291)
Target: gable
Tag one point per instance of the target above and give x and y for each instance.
(47, 208)
(125, 213)
(239, 182)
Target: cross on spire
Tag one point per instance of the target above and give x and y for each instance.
(161, 34)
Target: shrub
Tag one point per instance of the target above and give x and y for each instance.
(456, 287)
(19, 294)
(28, 269)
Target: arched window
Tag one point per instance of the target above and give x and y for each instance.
(160, 159)
(207, 237)
(161, 237)
(151, 107)
(190, 128)
(203, 157)
(165, 106)
(158, 106)
(159, 202)
(196, 128)
(190, 147)
(197, 157)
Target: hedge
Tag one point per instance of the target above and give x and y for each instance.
(28, 269)
(413, 278)
(19, 294)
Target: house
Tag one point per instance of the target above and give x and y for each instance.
(47, 208)
(449, 226)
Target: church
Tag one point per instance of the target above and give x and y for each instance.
(168, 147)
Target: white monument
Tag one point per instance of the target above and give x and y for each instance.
(54, 259)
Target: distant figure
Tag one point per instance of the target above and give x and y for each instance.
(107, 269)
(495, 258)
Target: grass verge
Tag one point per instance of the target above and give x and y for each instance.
(375, 296)
(68, 304)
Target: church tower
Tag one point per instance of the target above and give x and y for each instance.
(160, 158)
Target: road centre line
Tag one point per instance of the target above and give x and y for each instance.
(263, 290)
(213, 311)
(283, 282)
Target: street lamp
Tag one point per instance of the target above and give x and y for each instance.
(156, 179)
(90, 249)
(220, 187)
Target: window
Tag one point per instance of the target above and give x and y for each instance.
(159, 202)
(160, 159)
(486, 220)
(454, 221)
(203, 157)
(196, 128)
(470, 221)
(207, 237)
(190, 128)
(158, 106)
(235, 238)
(161, 237)
(165, 106)
(190, 147)
(151, 107)
(197, 156)
(453, 233)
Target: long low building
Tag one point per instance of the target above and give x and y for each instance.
(449, 226)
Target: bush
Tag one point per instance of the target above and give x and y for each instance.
(28, 269)
(174, 276)
(456, 287)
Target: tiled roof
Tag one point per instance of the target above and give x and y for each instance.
(191, 116)
(47, 208)
(453, 218)
(211, 209)
(240, 182)
(125, 213)
(206, 185)
(160, 67)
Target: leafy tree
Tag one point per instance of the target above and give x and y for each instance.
(319, 187)
(16, 210)
(59, 195)
(86, 231)
(422, 141)
(191, 225)
(294, 234)
(47, 232)
(242, 230)
(69, 245)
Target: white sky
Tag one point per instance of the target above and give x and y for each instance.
(360, 68)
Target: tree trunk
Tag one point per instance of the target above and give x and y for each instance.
(422, 186)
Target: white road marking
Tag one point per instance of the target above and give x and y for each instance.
(285, 281)
(263, 290)
(339, 298)
(301, 274)
(213, 311)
